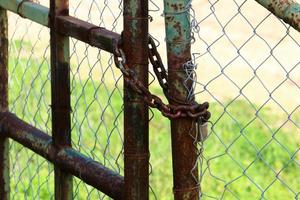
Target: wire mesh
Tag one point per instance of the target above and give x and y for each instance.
(96, 87)
(97, 94)
(245, 62)
(248, 68)
(31, 177)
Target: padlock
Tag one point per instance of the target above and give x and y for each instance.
(202, 132)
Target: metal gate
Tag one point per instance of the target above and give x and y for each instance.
(70, 113)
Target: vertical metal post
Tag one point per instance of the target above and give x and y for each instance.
(60, 96)
(4, 141)
(178, 39)
(136, 133)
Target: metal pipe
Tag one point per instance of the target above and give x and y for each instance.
(89, 171)
(60, 96)
(4, 141)
(93, 173)
(89, 33)
(28, 9)
(287, 10)
(67, 25)
(136, 117)
(178, 39)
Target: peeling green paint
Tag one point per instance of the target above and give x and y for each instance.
(287, 10)
(177, 23)
(30, 10)
(178, 39)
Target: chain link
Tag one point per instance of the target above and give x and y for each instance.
(192, 110)
(158, 67)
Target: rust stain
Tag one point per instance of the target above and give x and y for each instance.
(287, 10)
(4, 142)
(68, 159)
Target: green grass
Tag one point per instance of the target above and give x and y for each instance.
(241, 155)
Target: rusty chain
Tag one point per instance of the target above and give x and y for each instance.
(158, 67)
(192, 110)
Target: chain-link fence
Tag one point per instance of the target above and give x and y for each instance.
(29, 97)
(97, 93)
(246, 64)
(248, 68)
(96, 88)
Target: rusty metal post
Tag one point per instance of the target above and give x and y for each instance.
(60, 96)
(4, 141)
(178, 39)
(287, 10)
(136, 132)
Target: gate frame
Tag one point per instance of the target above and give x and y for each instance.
(136, 113)
(183, 130)
(57, 149)
(4, 140)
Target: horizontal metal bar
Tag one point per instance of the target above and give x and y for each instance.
(75, 163)
(89, 33)
(28, 9)
(91, 172)
(67, 25)
(287, 10)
